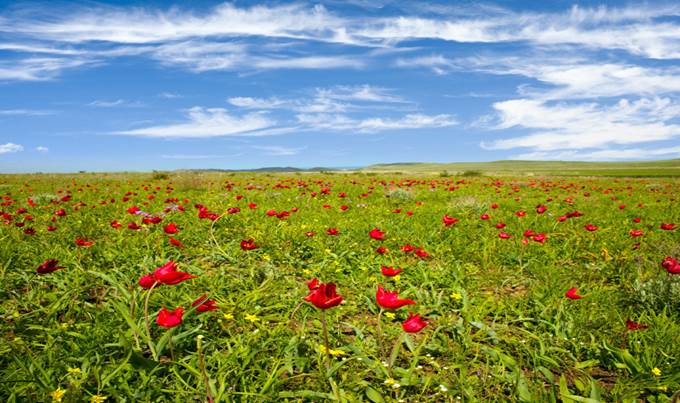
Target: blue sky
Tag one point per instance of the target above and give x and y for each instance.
(150, 85)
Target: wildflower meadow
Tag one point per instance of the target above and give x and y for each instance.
(350, 287)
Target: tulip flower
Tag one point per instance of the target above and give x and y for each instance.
(170, 318)
(168, 274)
(449, 221)
(248, 244)
(377, 234)
(414, 323)
(390, 300)
(324, 296)
(572, 293)
(591, 227)
(171, 228)
(175, 242)
(389, 271)
(504, 235)
(49, 266)
(630, 325)
(83, 242)
(203, 304)
(668, 226)
(332, 231)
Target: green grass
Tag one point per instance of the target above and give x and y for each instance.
(664, 168)
(500, 327)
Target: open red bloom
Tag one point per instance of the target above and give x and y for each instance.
(540, 238)
(667, 226)
(591, 227)
(389, 271)
(381, 250)
(170, 319)
(414, 323)
(168, 274)
(332, 231)
(203, 304)
(147, 281)
(448, 221)
(83, 242)
(572, 293)
(171, 228)
(48, 266)
(377, 234)
(636, 232)
(630, 325)
(504, 235)
(540, 209)
(408, 248)
(390, 300)
(671, 265)
(324, 296)
(313, 284)
(421, 253)
(175, 242)
(248, 244)
(484, 216)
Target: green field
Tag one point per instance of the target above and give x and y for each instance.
(501, 324)
(664, 168)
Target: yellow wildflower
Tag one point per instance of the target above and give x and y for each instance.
(333, 352)
(390, 315)
(456, 296)
(251, 318)
(228, 316)
(98, 399)
(656, 371)
(57, 395)
(73, 371)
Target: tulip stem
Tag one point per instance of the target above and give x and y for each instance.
(146, 320)
(201, 364)
(380, 330)
(395, 351)
(325, 339)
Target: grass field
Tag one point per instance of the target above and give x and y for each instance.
(663, 168)
(488, 263)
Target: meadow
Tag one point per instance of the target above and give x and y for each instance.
(200, 287)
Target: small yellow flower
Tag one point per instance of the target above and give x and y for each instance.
(98, 399)
(266, 257)
(57, 395)
(396, 278)
(251, 318)
(656, 371)
(73, 371)
(328, 251)
(228, 316)
(390, 315)
(333, 352)
(663, 388)
(456, 296)
(307, 272)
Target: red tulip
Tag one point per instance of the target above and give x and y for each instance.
(636, 232)
(408, 248)
(484, 217)
(248, 244)
(389, 271)
(313, 284)
(540, 209)
(504, 235)
(390, 300)
(171, 228)
(147, 281)
(630, 325)
(636, 220)
(271, 213)
(170, 319)
(83, 242)
(324, 296)
(168, 274)
(414, 323)
(175, 242)
(133, 226)
(668, 226)
(521, 213)
(529, 233)
(377, 234)
(591, 227)
(421, 253)
(204, 305)
(381, 250)
(310, 233)
(332, 231)
(133, 209)
(540, 238)
(448, 221)
(60, 213)
(115, 224)
(501, 225)
(49, 266)
(572, 294)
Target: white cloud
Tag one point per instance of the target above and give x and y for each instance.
(279, 151)
(602, 155)
(169, 95)
(38, 68)
(191, 156)
(10, 148)
(560, 126)
(42, 149)
(324, 121)
(100, 103)
(25, 112)
(209, 122)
